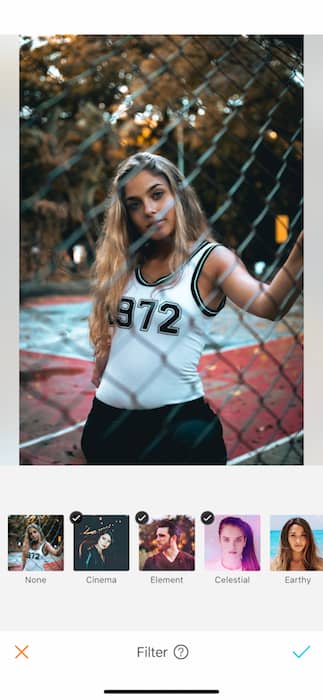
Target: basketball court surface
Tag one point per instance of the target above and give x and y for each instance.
(251, 370)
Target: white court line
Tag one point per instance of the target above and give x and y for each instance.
(265, 448)
(69, 355)
(208, 349)
(51, 436)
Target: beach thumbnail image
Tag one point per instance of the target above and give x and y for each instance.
(296, 543)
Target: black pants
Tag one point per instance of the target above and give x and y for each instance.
(187, 433)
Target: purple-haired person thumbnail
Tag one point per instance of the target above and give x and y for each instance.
(237, 550)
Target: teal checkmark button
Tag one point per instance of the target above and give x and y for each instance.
(301, 653)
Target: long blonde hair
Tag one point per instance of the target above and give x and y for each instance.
(26, 541)
(121, 248)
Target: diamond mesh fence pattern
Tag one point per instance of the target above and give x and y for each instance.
(227, 110)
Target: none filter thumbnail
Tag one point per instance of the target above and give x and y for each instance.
(35, 542)
(167, 544)
(101, 542)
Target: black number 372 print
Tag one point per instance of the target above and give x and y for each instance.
(150, 307)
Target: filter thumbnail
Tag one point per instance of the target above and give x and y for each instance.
(167, 544)
(101, 542)
(296, 543)
(35, 542)
(232, 543)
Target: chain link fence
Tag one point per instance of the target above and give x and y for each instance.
(228, 111)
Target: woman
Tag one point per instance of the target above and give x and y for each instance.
(35, 549)
(297, 548)
(93, 551)
(236, 545)
(160, 281)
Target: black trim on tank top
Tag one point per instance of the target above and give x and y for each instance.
(206, 310)
(140, 278)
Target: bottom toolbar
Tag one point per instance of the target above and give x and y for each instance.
(91, 665)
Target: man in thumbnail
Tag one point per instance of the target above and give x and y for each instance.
(169, 557)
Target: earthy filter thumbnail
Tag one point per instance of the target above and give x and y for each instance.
(296, 543)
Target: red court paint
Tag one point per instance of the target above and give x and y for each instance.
(257, 391)
(253, 388)
(55, 299)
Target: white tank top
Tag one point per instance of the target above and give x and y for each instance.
(161, 332)
(36, 559)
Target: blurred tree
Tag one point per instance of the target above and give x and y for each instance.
(225, 107)
(51, 525)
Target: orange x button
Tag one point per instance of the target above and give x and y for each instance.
(21, 652)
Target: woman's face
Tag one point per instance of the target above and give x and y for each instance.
(34, 534)
(232, 541)
(297, 539)
(104, 541)
(150, 203)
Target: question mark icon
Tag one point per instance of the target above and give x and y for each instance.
(181, 652)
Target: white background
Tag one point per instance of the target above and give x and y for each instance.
(66, 602)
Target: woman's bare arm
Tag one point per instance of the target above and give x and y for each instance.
(52, 550)
(271, 301)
